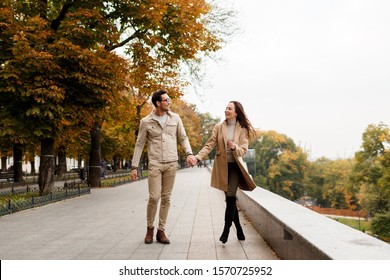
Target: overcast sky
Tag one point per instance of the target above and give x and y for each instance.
(317, 71)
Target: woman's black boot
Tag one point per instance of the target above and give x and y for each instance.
(225, 235)
(229, 216)
(240, 232)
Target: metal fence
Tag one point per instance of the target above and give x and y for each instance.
(15, 205)
(69, 190)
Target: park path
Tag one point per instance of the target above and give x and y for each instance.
(110, 224)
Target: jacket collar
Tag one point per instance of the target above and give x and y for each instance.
(151, 115)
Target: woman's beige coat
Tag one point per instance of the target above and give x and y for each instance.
(219, 175)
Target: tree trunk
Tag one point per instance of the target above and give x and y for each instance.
(61, 161)
(79, 158)
(46, 166)
(18, 164)
(94, 168)
(137, 120)
(116, 163)
(32, 163)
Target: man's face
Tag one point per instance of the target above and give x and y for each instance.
(165, 102)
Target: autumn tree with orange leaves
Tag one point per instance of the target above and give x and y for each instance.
(60, 74)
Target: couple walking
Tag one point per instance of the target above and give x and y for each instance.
(161, 130)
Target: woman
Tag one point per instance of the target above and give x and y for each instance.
(229, 173)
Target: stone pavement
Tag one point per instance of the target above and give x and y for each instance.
(110, 224)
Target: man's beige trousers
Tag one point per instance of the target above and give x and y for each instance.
(161, 177)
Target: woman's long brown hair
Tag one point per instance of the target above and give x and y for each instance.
(243, 119)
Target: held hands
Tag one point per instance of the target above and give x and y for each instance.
(134, 174)
(191, 160)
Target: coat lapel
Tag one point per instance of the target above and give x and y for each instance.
(224, 132)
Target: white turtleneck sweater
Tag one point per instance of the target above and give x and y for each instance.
(231, 124)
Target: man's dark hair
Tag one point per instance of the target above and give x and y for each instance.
(157, 96)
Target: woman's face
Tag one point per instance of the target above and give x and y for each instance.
(230, 111)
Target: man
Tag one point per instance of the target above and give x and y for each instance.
(160, 130)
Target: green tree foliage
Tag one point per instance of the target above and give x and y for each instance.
(207, 123)
(380, 225)
(328, 182)
(372, 170)
(280, 164)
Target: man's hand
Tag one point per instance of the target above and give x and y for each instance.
(134, 174)
(191, 160)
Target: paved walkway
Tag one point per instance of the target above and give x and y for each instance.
(110, 224)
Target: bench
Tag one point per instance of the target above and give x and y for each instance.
(9, 176)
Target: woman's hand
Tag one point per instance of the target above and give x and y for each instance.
(231, 145)
(191, 160)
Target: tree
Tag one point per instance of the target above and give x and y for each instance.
(287, 173)
(280, 164)
(269, 145)
(164, 37)
(191, 124)
(60, 70)
(59, 75)
(380, 225)
(372, 170)
(315, 180)
(328, 182)
(118, 131)
(207, 123)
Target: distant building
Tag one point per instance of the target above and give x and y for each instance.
(306, 201)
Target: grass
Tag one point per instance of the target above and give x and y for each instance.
(110, 182)
(10, 203)
(362, 224)
(17, 198)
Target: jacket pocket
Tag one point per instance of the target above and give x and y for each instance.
(153, 130)
(171, 129)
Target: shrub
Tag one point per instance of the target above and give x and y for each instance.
(380, 225)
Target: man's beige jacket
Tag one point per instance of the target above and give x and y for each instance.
(161, 141)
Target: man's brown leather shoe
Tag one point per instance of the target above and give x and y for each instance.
(160, 236)
(149, 235)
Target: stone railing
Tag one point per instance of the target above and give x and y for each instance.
(297, 233)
